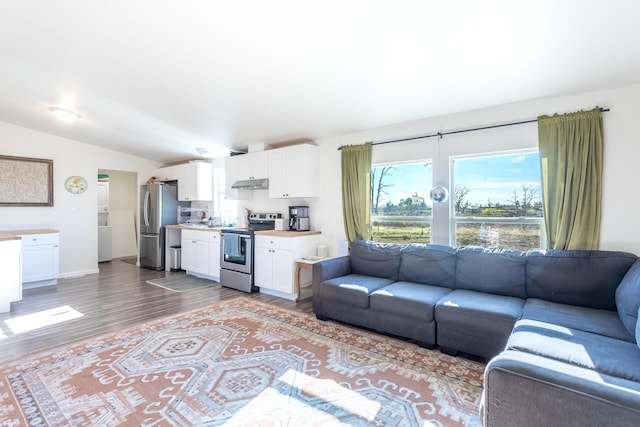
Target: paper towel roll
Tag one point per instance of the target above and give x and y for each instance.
(322, 251)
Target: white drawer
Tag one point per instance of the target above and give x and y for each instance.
(195, 235)
(39, 239)
(285, 243)
(207, 236)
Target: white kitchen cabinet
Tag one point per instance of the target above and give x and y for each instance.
(253, 165)
(293, 171)
(274, 259)
(169, 173)
(201, 253)
(11, 268)
(40, 259)
(231, 165)
(195, 182)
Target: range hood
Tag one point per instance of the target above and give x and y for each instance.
(251, 184)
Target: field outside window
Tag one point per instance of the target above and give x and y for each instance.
(400, 204)
(497, 201)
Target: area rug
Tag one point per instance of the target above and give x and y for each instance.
(182, 282)
(240, 362)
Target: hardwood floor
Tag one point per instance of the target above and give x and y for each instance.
(116, 297)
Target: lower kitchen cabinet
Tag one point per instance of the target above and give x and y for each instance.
(275, 262)
(201, 253)
(40, 259)
(10, 265)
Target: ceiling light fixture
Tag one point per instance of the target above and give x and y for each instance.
(202, 151)
(64, 114)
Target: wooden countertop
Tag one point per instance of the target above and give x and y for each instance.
(186, 227)
(15, 234)
(276, 233)
(284, 233)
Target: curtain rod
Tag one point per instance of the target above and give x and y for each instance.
(452, 132)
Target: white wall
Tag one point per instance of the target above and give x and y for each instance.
(620, 230)
(75, 215)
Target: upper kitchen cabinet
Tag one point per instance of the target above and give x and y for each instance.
(231, 166)
(293, 171)
(253, 166)
(169, 173)
(195, 182)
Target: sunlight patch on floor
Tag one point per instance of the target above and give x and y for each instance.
(41, 319)
(305, 404)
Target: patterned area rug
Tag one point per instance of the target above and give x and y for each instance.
(240, 362)
(182, 282)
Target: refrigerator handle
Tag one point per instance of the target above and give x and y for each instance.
(147, 195)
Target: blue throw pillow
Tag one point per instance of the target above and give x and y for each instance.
(628, 298)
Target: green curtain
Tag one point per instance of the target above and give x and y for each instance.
(356, 184)
(571, 157)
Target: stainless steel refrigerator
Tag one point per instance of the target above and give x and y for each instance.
(158, 207)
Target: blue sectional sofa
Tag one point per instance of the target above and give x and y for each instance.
(558, 328)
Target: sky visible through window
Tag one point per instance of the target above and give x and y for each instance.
(489, 179)
(402, 181)
(494, 179)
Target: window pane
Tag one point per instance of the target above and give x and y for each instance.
(400, 205)
(514, 236)
(497, 201)
(498, 186)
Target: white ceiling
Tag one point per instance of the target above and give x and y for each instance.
(159, 78)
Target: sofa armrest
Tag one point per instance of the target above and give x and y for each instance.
(325, 270)
(528, 390)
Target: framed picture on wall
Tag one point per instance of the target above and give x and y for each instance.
(25, 181)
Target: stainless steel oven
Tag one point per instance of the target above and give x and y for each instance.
(236, 259)
(236, 252)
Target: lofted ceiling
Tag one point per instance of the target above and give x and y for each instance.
(159, 78)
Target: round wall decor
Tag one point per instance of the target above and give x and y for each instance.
(439, 194)
(75, 184)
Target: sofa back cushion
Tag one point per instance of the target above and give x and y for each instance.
(493, 271)
(375, 259)
(628, 298)
(584, 278)
(428, 264)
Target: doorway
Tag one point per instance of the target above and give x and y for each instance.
(122, 202)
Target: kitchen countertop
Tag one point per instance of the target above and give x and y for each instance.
(187, 227)
(284, 233)
(15, 234)
(276, 233)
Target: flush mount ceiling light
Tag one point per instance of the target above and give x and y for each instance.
(202, 151)
(64, 114)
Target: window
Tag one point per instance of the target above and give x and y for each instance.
(225, 208)
(496, 201)
(400, 205)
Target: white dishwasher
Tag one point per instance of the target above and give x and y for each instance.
(105, 243)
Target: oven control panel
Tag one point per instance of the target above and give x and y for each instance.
(264, 216)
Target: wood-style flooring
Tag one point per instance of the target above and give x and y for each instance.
(116, 297)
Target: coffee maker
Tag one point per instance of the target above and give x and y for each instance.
(298, 218)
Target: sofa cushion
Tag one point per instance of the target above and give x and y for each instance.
(601, 322)
(475, 322)
(375, 259)
(628, 298)
(409, 299)
(478, 308)
(428, 264)
(638, 331)
(603, 354)
(493, 271)
(353, 289)
(584, 278)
